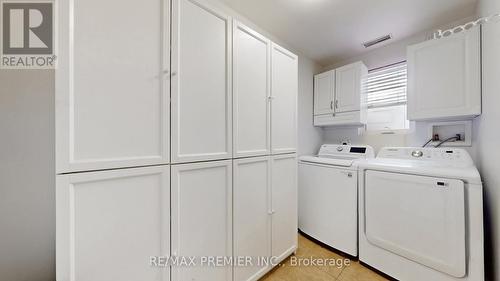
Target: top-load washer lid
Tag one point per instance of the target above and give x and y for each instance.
(339, 155)
(453, 163)
(327, 161)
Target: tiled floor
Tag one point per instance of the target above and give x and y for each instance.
(307, 250)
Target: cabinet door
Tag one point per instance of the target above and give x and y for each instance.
(251, 91)
(201, 90)
(444, 77)
(110, 216)
(284, 205)
(202, 218)
(252, 220)
(112, 92)
(284, 100)
(349, 87)
(324, 89)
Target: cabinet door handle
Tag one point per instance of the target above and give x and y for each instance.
(336, 103)
(348, 174)
(331, 105)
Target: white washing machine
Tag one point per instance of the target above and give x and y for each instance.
(328, 195)
(421, 215)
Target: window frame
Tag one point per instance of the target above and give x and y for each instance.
(396, 131)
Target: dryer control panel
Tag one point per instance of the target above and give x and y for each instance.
(453, 156)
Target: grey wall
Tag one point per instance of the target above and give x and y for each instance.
(486, 129)
(27, 193)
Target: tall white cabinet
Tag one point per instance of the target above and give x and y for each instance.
(340, 96)
(444, 77)
(112, 101)
(252, 214)
(265, 141)
(264, 95)
(284, 205)
(202, 218)
(251, 92)
(182, 143)
(284, 88)
(201, 82)
(265, 211)
(112, 114)
(106, 216)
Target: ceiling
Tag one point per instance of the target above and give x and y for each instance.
(330, 31)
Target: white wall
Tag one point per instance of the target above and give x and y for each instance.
(310, 137)
(27, 188)
(27, 175)
(488, 134)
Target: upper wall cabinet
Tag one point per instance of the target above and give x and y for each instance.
(340, 96)
(112, 93)
(324, 92)
(349, 81)
(444, 77)
(251, 92)
(201, 82)
(284, 89)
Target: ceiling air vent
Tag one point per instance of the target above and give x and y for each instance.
(377, 41)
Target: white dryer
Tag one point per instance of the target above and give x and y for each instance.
(328, 195)
(421, 215)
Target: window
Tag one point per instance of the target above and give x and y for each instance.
(386, 89)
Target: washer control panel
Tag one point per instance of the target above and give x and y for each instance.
(351, 151)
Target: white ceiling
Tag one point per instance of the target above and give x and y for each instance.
(329, 31)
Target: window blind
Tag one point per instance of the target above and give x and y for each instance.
(386, 86)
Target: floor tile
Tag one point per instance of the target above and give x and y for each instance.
(308, 250)
(358, 272)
